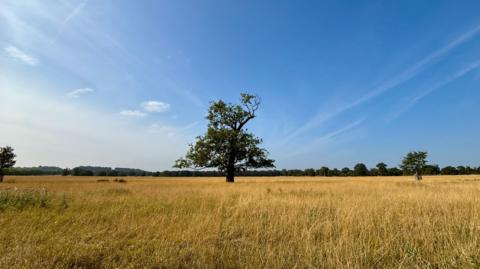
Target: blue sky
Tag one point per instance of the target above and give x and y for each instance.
(127, 83)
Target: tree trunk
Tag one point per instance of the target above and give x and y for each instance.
(231, 174)
(231, 163)
(1, 177)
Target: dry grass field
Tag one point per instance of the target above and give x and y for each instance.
(68, 222)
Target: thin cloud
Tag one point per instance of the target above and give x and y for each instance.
(20, 55)
(459, 74)
(156, 128)
(133, 113)
(78, 92)
(467, 69)
(155, 106)
(322, 140)
(339, 131)
(401, 78)
(69, 17)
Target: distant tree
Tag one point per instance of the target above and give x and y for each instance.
(335, 172)
(7, 160)
(360, 169)
(102, 173)
(346, 172)
(469, 170)
(394, 171)
(227, 146)
(413, 163)
(66, 172)
(310, 172)
(382, 169)
(112, 173)
(78, 171)
(373, 172)
(461, 170)
(323, 171)
(431, 169)
(449, 170)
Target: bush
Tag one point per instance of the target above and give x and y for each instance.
(120, 180)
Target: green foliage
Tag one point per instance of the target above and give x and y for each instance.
(414, 163)
(310, 172)
(323, 171)
(431, 170)
(382, 169)
(7, 160)
(360, 169)
(226, 145)
(346, 172)
(449, 170)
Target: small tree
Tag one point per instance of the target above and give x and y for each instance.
(414, 163)
(449, 170)
(360, 170)
(7, 160)
(227, 146)
(431, 169)
(323, 171)
(382, 169)
(310, 172)
(346, 171)
(66, 172)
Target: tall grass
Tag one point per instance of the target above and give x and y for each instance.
(21, 199)
(254, 223)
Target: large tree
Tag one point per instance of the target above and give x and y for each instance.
(7, 160)
(414, 163)
(227, 145)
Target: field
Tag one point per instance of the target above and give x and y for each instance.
(282, 222)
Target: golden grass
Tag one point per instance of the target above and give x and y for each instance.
(279, 222)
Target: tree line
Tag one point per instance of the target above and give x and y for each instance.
(359, 169)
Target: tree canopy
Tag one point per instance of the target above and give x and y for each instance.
(7, 160)
(227, 145)
(414, 163)
(360, 169)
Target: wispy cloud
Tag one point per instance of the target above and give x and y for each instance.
(155, 106)
(323, 140)
(390, 84)
(459, 74)
(169, 130)
(20, 55)
(133, 113)
(78, 92)
(462, 72)
(340, 131)
(69, 17)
